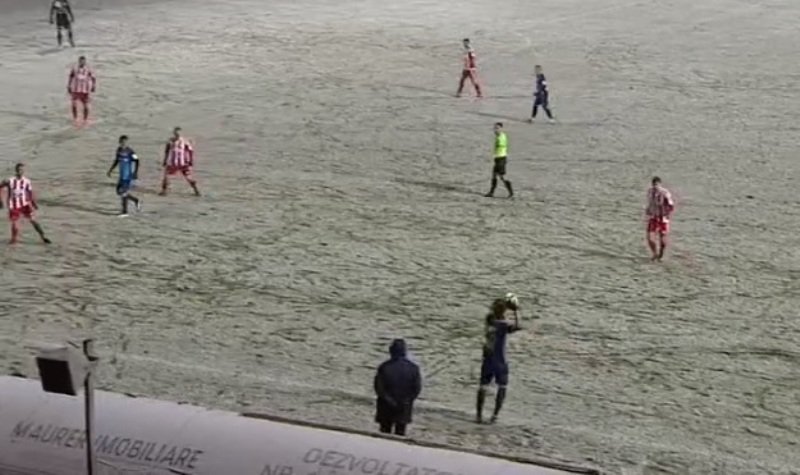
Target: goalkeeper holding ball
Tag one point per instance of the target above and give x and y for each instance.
(494, 366)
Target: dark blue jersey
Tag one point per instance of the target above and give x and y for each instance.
(127, 162)
(541, 85)
(497, 332)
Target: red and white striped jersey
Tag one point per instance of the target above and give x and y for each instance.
(81, 80)
(179, 153)
(20, 193)
(659, 202)
(470, 60)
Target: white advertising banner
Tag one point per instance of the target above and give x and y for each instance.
(43, 434)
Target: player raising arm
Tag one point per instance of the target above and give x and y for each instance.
(659, 211)
(21, 202)
(494, 366)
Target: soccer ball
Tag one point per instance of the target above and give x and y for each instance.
(512, 301)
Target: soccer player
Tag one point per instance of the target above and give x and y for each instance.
(21, 203)
(470, 70)
(500, 158)
(128, 164)
(493, 365)
(541, 96)
(80, 85)
(659, 211)
(61, 15)
(178, 157)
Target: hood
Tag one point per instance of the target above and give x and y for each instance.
(398, 348)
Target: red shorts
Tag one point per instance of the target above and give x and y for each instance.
(658, 225)
(185, 170)
(25, 211)
(80, 97)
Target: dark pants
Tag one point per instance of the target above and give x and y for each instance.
(542, 100)
(398, 427)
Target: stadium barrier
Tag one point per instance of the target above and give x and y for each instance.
(43, 434)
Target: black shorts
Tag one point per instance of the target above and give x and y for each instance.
(493, 371)
(541, 100)
(499, 166)
(62, 21)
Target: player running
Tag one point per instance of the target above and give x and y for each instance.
(61, 15)
(659, 211)
(470, 70)
(493, 365)
(541, 96)
(21, 203)
(128, 164)
(178, 157)
(80, 85)
(500, 158)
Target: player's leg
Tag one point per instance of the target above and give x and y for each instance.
(40, 231)
(28, 213)
(59, 37)
(662, 241)
(464, 76)
(400, 428)
(651, 242)
(502, 384)
(546, 107)
(502, 172)
(386, 427)
(69, 35)
(487, 375)
(189, 176)
(13, 216)
(473, 78)
(74, 107)
(85, 101)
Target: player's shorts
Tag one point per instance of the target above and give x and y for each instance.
(499, 166)
(124, 186)
(81, 97)
(62, 21)
(185, 170)
(494, 371)
(541, 100)
(24, 212)
(658, 225)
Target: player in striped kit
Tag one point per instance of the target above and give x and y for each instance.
(80, 85)
(21, 203)
(178, 157)
(659, 211)
(470, 70)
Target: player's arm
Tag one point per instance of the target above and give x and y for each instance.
(70, 79)
(52, 11)
(135, 165)
(94, 80)
(32, 197)
(113, 164)
(380, 388)
(166, 154)
(69, 12)
(3, 186)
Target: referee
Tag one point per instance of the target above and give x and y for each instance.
(500, 158)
